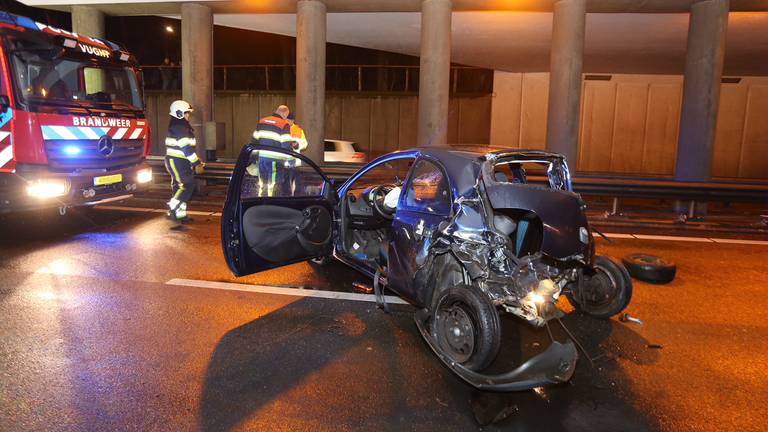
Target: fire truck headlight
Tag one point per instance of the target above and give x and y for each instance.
(48, 188)
(72, 150)
(144, 175)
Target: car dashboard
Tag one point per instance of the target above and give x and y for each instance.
(362, 212)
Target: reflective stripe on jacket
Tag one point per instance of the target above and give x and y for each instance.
(273, 131)
(180, 141)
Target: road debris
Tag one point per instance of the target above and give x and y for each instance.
(625, 317)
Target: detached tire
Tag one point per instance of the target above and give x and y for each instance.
(650, 268)
(607, 291)
(466, 327)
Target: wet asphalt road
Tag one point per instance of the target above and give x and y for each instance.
(92, 338)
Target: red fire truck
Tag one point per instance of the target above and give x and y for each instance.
(72, 125)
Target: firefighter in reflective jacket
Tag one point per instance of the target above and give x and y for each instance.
(181, 161)
(275, 131)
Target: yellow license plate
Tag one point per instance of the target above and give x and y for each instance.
(105, 180)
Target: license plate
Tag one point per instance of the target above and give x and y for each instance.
(105, 180)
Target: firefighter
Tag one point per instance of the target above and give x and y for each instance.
(273, 130)
(181, 161)
(298, 144)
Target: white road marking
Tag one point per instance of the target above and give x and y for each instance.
(618, 235)
(737, 241)
(673, 238)
(295, 292)
(133, 209)
(609, 235)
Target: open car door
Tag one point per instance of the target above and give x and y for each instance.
(278, 211)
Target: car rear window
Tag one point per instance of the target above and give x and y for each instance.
(542, 173)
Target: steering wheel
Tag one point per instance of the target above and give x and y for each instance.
(377, 199)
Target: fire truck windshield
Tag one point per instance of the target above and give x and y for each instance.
(46, 75)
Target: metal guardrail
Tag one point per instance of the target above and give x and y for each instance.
(616, 187)
(222, 171)
(341, 77)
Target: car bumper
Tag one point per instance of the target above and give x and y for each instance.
(553, 366)
(19, 191)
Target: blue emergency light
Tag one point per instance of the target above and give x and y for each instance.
(72, 150)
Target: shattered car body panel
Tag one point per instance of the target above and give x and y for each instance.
(463, 242)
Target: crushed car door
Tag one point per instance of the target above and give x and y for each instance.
(424, 204)
(278, 211)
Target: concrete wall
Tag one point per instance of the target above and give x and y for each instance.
(379, 124)
(629, 124)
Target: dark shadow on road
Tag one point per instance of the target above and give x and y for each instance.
(264, 359)
(270, 358)
(599, 397)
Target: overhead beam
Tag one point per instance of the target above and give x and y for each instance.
(141, 7)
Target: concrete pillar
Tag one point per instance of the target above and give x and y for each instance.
(701, 89)
(310, 74)
(434, 72)
(197, 66)
(88, 21)
(565, 63)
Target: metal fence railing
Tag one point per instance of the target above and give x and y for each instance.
(356, 78)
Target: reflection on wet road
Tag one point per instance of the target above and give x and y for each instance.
(94, 338)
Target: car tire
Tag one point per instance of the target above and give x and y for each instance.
(650, 268)
(466, 327)
(608, 289)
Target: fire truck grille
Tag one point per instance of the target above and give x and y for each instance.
(66, 155)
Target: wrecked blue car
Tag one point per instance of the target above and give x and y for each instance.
(462, 236)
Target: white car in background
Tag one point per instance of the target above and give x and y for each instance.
(342, 151)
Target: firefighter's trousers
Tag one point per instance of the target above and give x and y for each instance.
(182, 178)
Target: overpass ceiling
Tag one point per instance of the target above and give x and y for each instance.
(155, 7)
(516, 38)
(519, 41)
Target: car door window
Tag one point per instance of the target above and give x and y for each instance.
(428, 189)
(279, 175)
(389, 172)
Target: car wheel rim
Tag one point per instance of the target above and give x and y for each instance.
(456, 332)
(603, 288)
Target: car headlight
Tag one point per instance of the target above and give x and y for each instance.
(48, 188)
(144, 175)
(584, 235)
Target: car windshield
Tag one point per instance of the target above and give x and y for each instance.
(45, 75)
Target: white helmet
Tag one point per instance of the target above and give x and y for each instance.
(179, 107)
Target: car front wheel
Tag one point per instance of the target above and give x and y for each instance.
(466, 327)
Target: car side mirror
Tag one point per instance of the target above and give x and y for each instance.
(5, 103)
